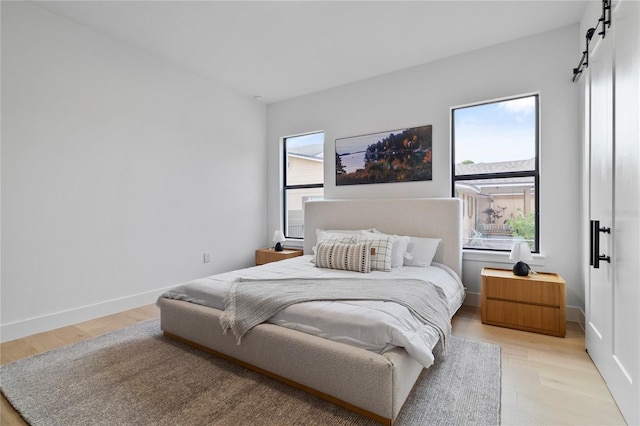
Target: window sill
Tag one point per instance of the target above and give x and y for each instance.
(499, 257)
(294, 243)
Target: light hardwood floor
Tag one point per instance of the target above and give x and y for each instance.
(545, 380)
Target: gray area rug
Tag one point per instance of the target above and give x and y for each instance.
(136, 376)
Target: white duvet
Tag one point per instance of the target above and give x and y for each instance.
(373, 325)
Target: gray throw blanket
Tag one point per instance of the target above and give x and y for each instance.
(250, 302)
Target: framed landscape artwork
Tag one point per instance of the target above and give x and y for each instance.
(394, 156)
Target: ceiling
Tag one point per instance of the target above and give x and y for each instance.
(279, 50)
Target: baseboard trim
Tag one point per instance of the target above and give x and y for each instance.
(19, 329)
(574, 314)
(473, 299)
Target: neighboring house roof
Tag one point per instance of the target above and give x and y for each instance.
(499, 167)
(307, 157)
(308, 151)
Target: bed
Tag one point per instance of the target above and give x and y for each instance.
(374, 382)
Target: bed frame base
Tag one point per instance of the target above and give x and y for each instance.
(370, 384)
(307, 389)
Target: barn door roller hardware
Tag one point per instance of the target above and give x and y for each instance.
(605, 22)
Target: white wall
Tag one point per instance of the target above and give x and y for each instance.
(119, 170)
(424, 95)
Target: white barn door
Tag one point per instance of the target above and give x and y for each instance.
(613, 292)
(599, 298)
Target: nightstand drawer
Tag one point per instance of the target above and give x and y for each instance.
(540, 319)
(529, 291)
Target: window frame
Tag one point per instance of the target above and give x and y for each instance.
(503, 175)
(286, 188)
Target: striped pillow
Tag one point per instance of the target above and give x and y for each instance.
(348, 257)
(328, 238)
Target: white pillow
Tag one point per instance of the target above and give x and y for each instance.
(399, 248)
(381, 249)
(421, 251)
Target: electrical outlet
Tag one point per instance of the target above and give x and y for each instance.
(206, 258)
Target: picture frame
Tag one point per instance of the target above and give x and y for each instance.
(402, 155)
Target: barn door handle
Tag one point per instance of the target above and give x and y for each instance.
(605, 258)
(596, 257)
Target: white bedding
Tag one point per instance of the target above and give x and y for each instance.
(373, 325)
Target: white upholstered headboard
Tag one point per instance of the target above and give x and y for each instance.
(418, 217)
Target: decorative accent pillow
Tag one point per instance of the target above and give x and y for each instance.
(336, 238)
(381, 249)
(348, 257)
(325, 237)
(421, 251)
(399, 248)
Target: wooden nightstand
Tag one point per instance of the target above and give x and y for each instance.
(268, 255)
(534, 303)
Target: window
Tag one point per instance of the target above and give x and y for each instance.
(303, 172)
(495, 172)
